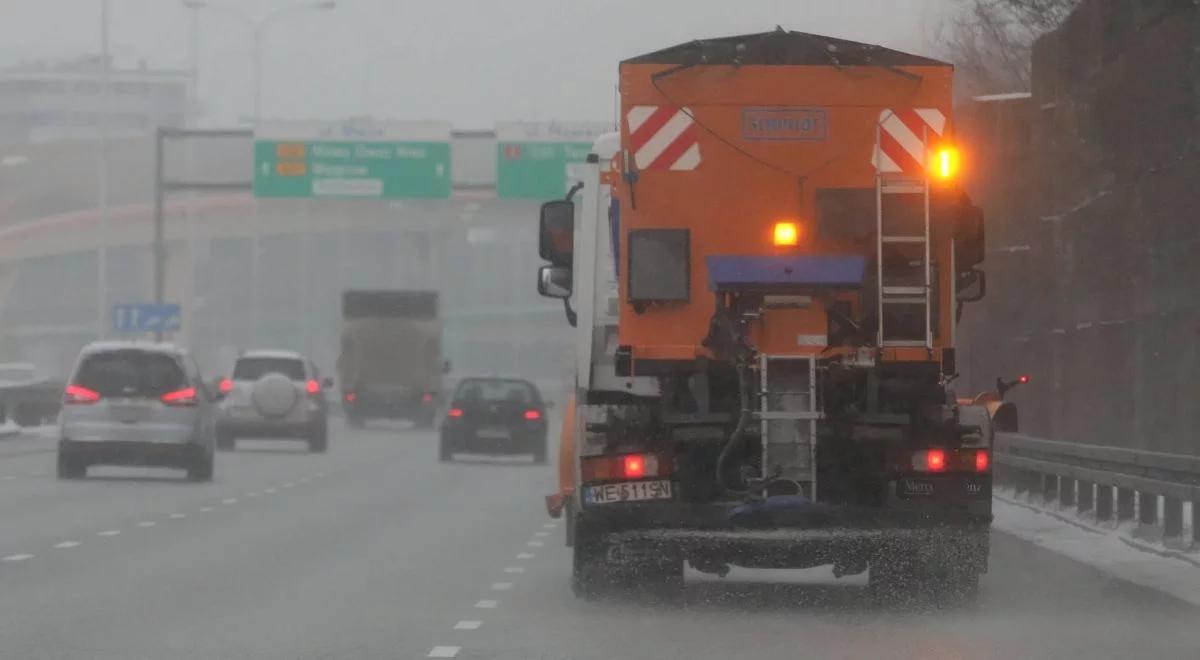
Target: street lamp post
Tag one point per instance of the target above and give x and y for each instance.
(102, 176)
(258, 30)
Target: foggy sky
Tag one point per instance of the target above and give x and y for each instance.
(471, 62)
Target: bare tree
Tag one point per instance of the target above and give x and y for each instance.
(990, 40)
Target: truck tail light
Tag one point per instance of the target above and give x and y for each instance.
(454, 412)
(80, 394)
(964, 459)
(183, 397)
(983, 462)
(627, 466)
(225, 386)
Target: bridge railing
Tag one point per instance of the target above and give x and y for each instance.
(1104, 481)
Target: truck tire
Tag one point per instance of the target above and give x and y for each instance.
(70, 467)
(201, 468)
(591, 575)
(424, 420)
(445, 451)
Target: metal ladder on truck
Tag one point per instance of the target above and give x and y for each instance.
(788, 411)
(903, 263)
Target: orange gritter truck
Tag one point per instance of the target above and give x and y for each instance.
(764, 268)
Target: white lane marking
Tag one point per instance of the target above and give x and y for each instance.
(9, 477)
(18, 557)
(289, 485)
(514, 569)
(501, 586)
(147, 523)
(486, 604)
(468, 625)
(525, 555)
(541, 534)
(320, 474)
(270, 491)
(67, 544)
(177, 516)
(445, 651)
(251, 494)
(206, 509)
(535, 544)
(109, 532)
(548, 525)
(229, 500)
(37, 473)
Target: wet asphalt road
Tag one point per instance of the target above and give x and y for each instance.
(376, 550)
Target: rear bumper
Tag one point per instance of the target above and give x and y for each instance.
(268, 428)
(132, 453)
(924, 532)
(518, 441)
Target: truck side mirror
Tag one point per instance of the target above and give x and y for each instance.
(556, 232)
(968, 237)
(554, 281)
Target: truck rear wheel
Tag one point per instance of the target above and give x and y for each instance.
(589, 576)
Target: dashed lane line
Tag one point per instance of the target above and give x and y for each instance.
(541, 534)
(67, 544)
(177, 516)
(487, 604)
(109, 532)
(535, 544)
(147, 523)
(502, 586)
(468, 625)
(17, 557)
(229, 500)
(444, 651)
(525, 555)
(270, 491)
(207, 509)
(514, 569)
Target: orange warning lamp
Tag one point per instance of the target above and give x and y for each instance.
(786, 233)
(945, 162)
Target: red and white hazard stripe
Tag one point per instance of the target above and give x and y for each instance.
(904, 137)
(662, 137)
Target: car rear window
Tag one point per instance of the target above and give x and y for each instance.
(131, 373)
(496, 391)
(253, 368)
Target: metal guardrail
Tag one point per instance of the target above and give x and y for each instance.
(1106, 481)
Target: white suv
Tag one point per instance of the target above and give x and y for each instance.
(274, 394)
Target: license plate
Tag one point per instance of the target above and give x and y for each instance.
(130, 412)
(634, 491)
(492, 433)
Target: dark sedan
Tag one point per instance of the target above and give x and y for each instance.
(495, 416)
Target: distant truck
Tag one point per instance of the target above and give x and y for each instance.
(391, 366)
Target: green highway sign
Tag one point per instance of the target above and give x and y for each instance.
(532, 158)
(357, 159)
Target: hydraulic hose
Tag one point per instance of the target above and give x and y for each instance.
(735, 438)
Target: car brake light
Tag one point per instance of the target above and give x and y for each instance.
(312, 386)
(184, 397)
(427, 398)
(80, 394)
(982, 461)
(350, 397)
(533, 415)
(225, 386)
(454, 412)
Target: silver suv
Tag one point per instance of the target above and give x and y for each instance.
(135, 403)
(274, 394)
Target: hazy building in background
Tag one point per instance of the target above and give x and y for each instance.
(49, 101)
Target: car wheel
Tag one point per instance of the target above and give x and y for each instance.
(540, 452)
(226, 441)
(318, 440)
(201, 468)
(445, 451)
(70, 468)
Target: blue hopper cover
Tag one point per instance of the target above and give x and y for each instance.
(783, 273)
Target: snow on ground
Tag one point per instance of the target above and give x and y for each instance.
(1110, 550)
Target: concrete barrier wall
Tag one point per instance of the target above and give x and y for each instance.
(1092, 189)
